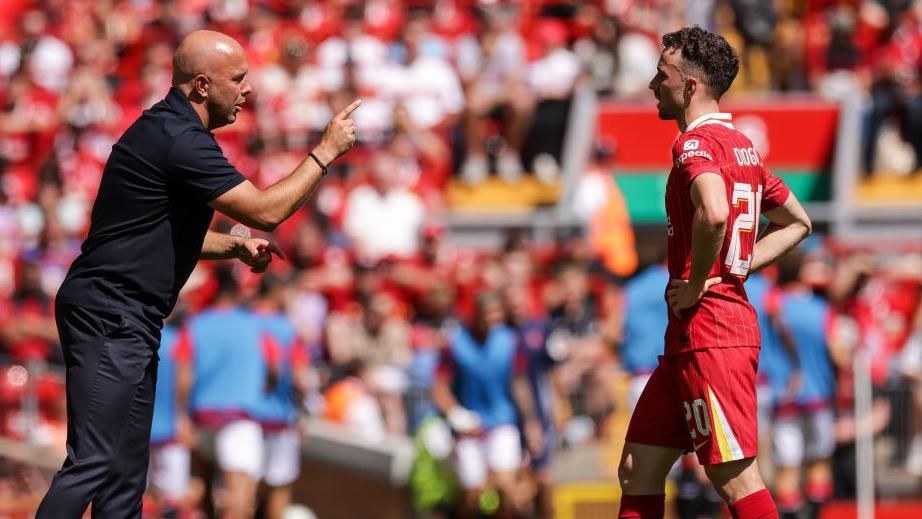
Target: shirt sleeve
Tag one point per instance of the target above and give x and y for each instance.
(773, 301)
(693, 155)
(520, 361)
(197, 163)
(446, 368)
(775, 193)
(183, 352)
(300, 358)
(271, 350)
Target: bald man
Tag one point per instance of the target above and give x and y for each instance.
(164, 178)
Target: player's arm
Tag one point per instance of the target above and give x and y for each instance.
(788, 226)
(185, 431)
(786, 338)
(526, 405)
(255, 252)
(709, 226)
(461, 420)
(265, 209)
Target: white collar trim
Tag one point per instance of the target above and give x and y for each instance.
(711, 118)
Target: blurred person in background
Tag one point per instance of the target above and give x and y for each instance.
(423, 157)
(803, 429)
(598, 50)
(755, 22)
(856, 287)
(541, 361)
(587, 363)
(27, 327)
(910, 363)
(432, 316)
(350, 402)
(430, 90)
(599, 202)
(645, 319)
(171, 436)
(552, 78)
(28, 121)
(384, 217)
(277, 410)
(377, 336)
(223, 376)
(896, 89)
(493, 70)
(482, 392)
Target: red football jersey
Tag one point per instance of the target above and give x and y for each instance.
(723, 318)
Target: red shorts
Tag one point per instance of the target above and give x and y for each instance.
(702, 401)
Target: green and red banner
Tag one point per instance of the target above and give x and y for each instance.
(796, 138)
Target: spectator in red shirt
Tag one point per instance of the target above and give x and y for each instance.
(28, 329)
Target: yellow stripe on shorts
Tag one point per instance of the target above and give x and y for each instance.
(726, 441)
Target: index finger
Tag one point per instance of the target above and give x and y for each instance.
(274, 247)
(347, 111)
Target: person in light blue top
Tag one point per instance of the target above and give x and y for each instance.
(645, 319)
(774, 358)
(482, 390)
(804, 428)
(170, 459)
(277, 412)
(225, 375)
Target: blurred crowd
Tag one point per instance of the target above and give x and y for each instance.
(491, 361)
(493, 358)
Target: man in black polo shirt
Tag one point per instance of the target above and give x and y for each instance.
(161, 185)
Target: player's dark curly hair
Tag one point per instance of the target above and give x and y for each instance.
(708, 54)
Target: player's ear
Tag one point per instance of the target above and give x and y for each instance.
(691, 86)
(200, 85)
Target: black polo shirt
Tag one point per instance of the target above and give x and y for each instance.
(151, 214)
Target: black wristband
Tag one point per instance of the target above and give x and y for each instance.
(323, 169)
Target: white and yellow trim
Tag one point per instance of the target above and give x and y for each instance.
(730, 449)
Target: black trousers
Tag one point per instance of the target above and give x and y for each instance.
(111, 365)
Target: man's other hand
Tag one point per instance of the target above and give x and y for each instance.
(257, 253)
(682, 295)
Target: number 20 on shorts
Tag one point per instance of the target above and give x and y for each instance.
(698, 410)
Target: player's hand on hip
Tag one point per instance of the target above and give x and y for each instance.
(339, 135)
(257, 253)
(682, 295)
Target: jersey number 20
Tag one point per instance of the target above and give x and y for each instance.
(745, 222)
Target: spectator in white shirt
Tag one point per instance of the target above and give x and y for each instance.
(493, 70)
(384, 218)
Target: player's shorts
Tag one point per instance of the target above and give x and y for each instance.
(702, 401)
(498, 450)
(168, 475)
(805, 436)
(239, 448)
(282, 457)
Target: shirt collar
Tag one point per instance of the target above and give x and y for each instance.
(711, 118)
(177, 101)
